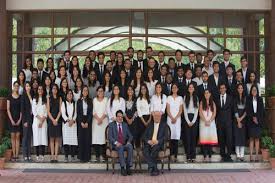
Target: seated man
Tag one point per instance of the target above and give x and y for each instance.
(120, 137)
(154, 136)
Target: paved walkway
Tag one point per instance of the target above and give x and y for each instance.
(253, 176)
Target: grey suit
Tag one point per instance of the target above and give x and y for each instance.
(127, 139)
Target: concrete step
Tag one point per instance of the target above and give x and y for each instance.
(179, 165)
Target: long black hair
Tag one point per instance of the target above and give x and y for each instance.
(188, 97)
(44, 99)
(147, 92)
(92, 83)
(113, 95)
(85, 70)
(240, 98)
(211, 101)
(110, 82)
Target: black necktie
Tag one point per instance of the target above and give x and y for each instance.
(101, 69)
(205, 86)
(222, 100)
(230, 82)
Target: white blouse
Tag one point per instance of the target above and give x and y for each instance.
(117, 105)
(28, 74)
(85, 108)
(158, 104)
(143, 107)
(70, 109)
(255, 105)
(151, 87)
(190, 110)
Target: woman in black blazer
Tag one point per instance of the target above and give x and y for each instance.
(84, 121)
(255, 117)
(26, 110)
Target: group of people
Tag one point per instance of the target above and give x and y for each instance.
(203, 102)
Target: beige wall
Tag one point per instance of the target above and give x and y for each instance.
(138, 4)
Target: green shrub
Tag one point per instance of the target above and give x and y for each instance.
(2, 150)
(266, 141)
(6, 141)
(272, 151)
(4, 92)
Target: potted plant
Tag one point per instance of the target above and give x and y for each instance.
(7, 142)
(270, 96)
(3, 109)
(266, 142)
(272, 155)
(2, 158)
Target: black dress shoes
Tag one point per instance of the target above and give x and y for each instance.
(123, 172)
(128, 171)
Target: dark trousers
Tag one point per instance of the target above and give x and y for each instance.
(151, 155)
(99, 150)
(40, 150)
(26, 141)
(206, 150)
(225, 140)
(70, 150)
(129, 160)
(84, 137)
(190, 138)
(174, 147)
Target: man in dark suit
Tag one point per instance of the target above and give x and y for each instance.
(130, 54)
(140, 63)
(204, 86)
(100, 68)
(191, 65)
(129, 70)
(154, 137)
(245, 70)
(163, 73)
(178, 56)
(239, 80)
(172, 66)
(120, 138)
(215, 80)
(161, 61)
(226, 62)
(41, 72)
(224, 123)
(167, 86)
(92, 55)
(179, 79)
(230, 80)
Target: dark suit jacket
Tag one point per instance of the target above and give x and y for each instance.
(26, 109)
(211, 81)
(165, 89)
(188, 66)
(200, 89)
(148, 134)
(250, 112)
(113, 133)
(145, 65)
(80, 115)
(223, 69)
(99, 75)
(225, 113)
(248, 72)
(44, 75)
(231, 88)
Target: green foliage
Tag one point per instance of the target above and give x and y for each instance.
(266, 142)
(4, 92)
(3, 149)
(272, 150)
(7, 142)
(270, 91)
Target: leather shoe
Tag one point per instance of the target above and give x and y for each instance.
(123, 172)
(128, 171)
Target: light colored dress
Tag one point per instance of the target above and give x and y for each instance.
(174, 109)
(98, 131)
(40, 135)
(208, 134)
(117, 105)
(151, 87)
(69, 134)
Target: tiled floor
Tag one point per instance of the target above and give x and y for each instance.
(253, 176)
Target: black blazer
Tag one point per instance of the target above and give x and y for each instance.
(26, 109)
(113, 133)
(80, 115)
(250, 112)
(200, 89)
(166, 90)
(188, 66)
(211, 80)
(99, 75)
(44, 75)
(148, 134)
(230, 88)
(225, 113)
(145, 64)
(223, 69)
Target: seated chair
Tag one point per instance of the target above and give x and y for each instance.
(113, 154)
(163, 155)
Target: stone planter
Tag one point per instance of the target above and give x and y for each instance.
(8, 154)
(265, 154)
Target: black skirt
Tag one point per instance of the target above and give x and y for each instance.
(55, 131)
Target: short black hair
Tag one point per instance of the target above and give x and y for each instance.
(209, 51)
(119, 111)
(216, 63)
(191, 53)
(179, 52)
(40, 60)
(226, 50)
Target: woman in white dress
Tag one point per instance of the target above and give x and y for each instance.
(253, 81)
(39, 126)
(69, 126)
(151, 83)
(28, 68)
(115, 103)
(100, 122)
(158, 101)
(207, 127)
(78, 88)
(174, 111)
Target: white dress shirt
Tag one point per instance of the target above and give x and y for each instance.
(255, 104)
(143, 107)
(158, 103)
